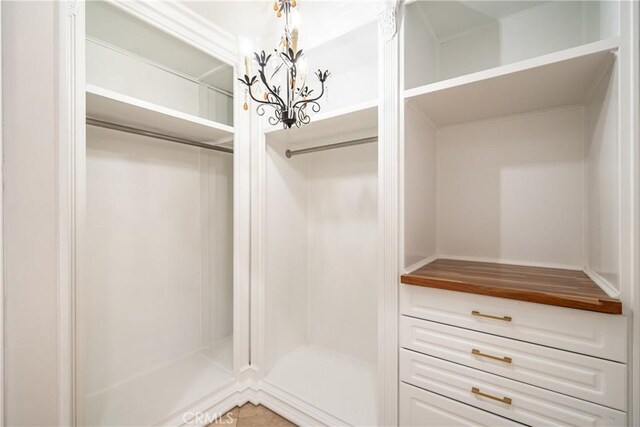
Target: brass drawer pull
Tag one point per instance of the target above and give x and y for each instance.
(488, 316)
(504, 359)
(476, 391)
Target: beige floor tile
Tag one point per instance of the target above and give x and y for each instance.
(250, 415)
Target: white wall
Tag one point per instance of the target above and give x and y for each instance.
(116, 70)
(421, 57)
(352, 60)
(342, 225)
(547, 28)
(513, 189)
(603, 198)
(285, 253)
(111, 69)
(30, 213)
(150, 292)
(217, 243)
(420, 187)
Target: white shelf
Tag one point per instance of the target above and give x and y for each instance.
(155, 395)
(330, 381)
(555, 80)
(106, 105)
(358, 121)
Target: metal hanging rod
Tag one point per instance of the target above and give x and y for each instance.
(290, 153)
(127, 129)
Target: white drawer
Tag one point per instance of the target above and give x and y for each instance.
(528, 404)
(580, 331)
(597, 380)
(419, 408)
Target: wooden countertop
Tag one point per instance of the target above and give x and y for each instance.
(551, 286)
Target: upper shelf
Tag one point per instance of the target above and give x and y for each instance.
(550, 81)
(106, 105)
(359, 121)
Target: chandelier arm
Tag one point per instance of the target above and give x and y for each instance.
(273, 104)
(305, 101)
(264, 81)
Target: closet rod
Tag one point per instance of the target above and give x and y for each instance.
(127, 129)
(290, 153)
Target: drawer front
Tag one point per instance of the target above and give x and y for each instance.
(586, 332)
(517, 401)
(597, 380)
(419, 408)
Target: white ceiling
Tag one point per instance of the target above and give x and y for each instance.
(321, 20)
(451, 18)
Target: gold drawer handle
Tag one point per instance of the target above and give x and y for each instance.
(488, 316)
(476, 391)
(504, 359)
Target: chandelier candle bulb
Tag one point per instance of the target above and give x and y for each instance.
(247, 66)
(294, 40)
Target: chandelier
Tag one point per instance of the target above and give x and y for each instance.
(290, 107)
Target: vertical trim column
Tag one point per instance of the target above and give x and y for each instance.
(71, 199)
(388, 213)
(242, 181)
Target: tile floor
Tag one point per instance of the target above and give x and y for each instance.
(250, 415)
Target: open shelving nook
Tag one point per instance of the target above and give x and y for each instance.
(515, 163)
(321, 244)
(155, 316)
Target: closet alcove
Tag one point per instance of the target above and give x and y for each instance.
(513, 134)
(513, 159)
(155, 313)
(321, 243)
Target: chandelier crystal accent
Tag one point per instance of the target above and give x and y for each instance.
(288, 70)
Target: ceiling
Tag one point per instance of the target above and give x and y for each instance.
(321, 20)
(451, 18)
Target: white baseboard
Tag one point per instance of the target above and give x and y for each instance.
(282, 403)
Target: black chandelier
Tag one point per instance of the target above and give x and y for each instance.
(292, 110)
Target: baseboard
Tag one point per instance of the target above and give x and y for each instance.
(282, 403)
(294, 409)
(211, 408)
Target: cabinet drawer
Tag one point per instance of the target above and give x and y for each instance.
(597, 380)
(517, 401)
(420, 408)
(586, 332)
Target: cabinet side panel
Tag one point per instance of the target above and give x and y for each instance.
(603, 197)
(420, 159)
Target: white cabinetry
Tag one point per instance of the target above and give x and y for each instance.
(512, 135)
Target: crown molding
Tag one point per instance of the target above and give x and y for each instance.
(184, 24)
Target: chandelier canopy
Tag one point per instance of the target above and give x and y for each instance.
(290, 107)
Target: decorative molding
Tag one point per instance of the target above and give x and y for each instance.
(387, 22)
(388, 215)
(182, 23)
(71, 152)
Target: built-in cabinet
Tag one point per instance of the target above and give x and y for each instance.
(155, 308)
(364, 268)
(517, 270)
